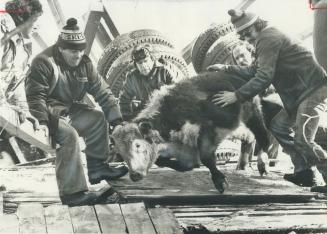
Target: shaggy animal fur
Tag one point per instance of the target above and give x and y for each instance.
(190, 124)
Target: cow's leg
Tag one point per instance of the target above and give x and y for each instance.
(256, 124)
(207, 146)
(247, 150)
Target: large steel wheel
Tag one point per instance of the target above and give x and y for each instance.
(126, 42)
(221, 51)
(205, 41)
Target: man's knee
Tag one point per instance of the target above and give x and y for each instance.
(67, 135)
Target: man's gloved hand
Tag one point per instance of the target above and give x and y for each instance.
(217, 67)
(114, 124)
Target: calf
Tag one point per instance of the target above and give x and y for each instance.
(180, 127)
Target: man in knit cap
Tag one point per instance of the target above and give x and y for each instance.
(57, 82)
(301, 84)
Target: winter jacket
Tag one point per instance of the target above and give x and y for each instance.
(137, 88)
(47, 95)
(284, 63)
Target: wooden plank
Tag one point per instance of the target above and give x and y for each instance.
(196, 187)
(273, 224)
(91, 28)
(9, 224)
(31, 218)
(84, 219)
(57, 13)
(110, 218)
(137, 219)
(57, 219)
(14, 145)
(244, 5)
(164, 221)
(9, 121)
(109, 21)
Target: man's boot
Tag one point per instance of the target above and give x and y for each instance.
(319, 189)
(98, 170)
(305, 178)
(79, 199)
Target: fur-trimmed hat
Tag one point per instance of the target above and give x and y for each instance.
(71, 37)
(242, 20)
(140, 52)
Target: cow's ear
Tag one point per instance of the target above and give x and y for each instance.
(145, 127)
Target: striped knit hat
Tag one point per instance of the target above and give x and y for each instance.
(242, 20)
(71, 37)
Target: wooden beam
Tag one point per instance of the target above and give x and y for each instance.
(244, 4)
(109, 22)
(19, 154)
(57, 13)
(91, 29)
(9, 121)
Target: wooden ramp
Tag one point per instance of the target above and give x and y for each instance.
(163, 202)
(166, 186)
(110, 218)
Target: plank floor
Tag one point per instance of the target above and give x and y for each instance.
(164, 202)
(108, 218)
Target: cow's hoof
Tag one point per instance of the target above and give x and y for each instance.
(220, 183)
(262, 168)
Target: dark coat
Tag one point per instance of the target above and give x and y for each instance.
(284, 63)
(47, 98)
(138, 88)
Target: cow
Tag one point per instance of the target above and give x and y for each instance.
(181, 127)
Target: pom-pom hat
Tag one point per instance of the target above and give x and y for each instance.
(242, 20)
(71, 37)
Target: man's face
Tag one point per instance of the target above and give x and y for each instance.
(72, 57)
(249, 34)
(242, 56)
(145, 65)
(29, 25)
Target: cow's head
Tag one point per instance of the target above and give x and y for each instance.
(137, 144)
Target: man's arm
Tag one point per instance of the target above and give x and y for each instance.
(125, 98)
(102, 94)
(37, 83)
(267, 49)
